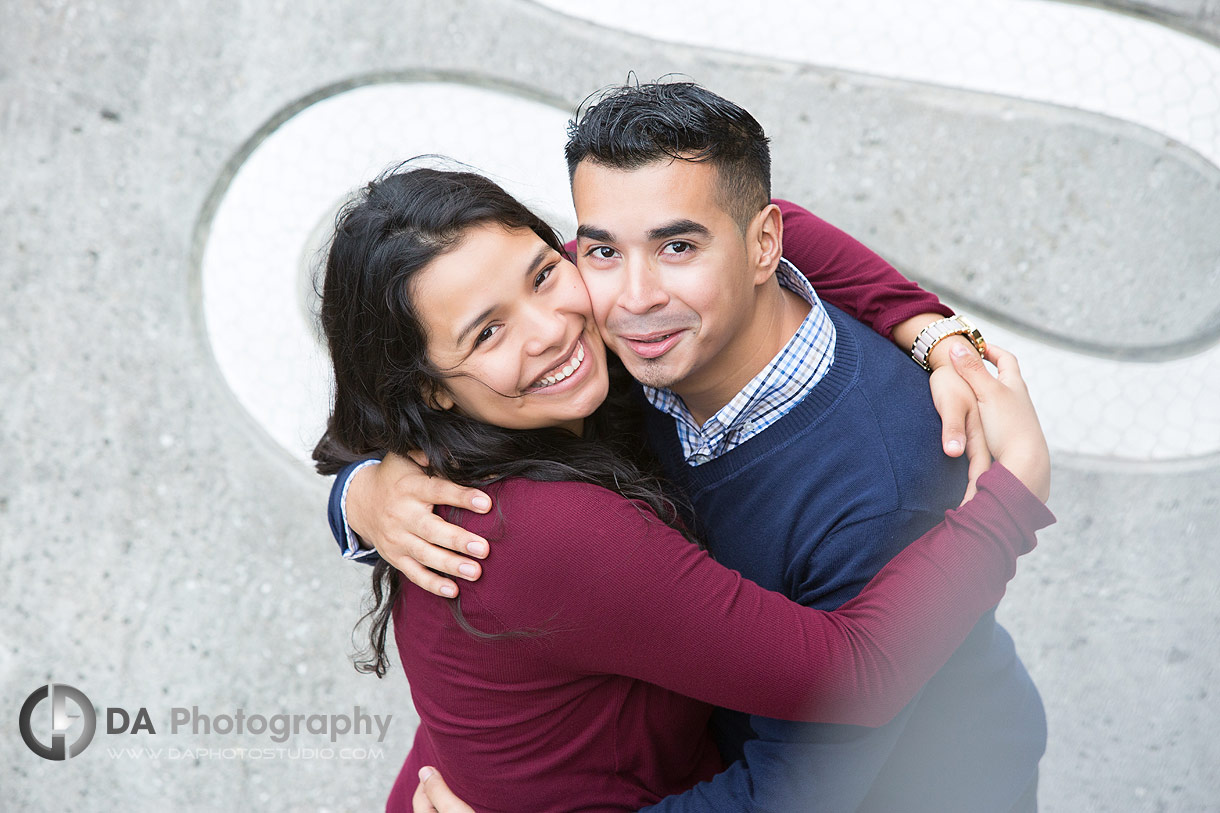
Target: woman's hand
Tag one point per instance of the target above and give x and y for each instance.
(1010, 423)
(389, 506)
(961, 429)
(961, 426)
(432, 795)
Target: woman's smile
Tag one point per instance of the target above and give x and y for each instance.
(565, 372)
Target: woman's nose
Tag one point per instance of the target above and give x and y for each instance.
(548, 329)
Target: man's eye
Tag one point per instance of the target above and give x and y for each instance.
(603, 253)
(679, 247)
(487, 333)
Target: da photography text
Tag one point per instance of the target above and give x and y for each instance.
(48, 722)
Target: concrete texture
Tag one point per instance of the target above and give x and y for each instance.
(159, 551)
(1198, 17)
(1017, 208)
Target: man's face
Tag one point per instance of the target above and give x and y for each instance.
(667, 270)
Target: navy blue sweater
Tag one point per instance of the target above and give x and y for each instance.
(813, 507)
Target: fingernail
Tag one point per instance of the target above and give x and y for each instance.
(954, 446)
(425, 773)
(481, 502)
(469, 571)
(477, 548)
(449, 590)
(957, 350)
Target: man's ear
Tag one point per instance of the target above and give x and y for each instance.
(765, 242)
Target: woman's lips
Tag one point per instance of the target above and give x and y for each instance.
(653, 346)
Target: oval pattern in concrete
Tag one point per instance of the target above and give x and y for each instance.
(272, 219)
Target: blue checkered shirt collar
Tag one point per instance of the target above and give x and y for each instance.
(769, 396)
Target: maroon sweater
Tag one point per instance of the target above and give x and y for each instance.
(850, 276)
(634, 633)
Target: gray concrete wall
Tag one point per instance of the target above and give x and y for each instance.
(1198, 17)
(158, 551)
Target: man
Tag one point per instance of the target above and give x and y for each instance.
(807, 445)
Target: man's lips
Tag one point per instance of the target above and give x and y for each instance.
(653, 345)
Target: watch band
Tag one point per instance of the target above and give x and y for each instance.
(930, 336)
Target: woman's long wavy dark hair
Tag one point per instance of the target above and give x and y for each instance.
(393, 229)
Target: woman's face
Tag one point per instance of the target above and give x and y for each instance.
(509, 323)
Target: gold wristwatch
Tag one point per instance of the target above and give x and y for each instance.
(930, 336)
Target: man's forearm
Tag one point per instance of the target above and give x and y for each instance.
(351, 545)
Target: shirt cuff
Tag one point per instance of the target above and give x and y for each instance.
(353, 550)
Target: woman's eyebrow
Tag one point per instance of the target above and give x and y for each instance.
(538, 260)
(473, 323)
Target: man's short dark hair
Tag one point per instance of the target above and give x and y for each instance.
(633, 125)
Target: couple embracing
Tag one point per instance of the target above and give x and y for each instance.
(709, 522)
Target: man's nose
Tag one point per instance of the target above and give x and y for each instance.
(642, 288)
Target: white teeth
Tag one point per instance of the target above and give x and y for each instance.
(572, 366)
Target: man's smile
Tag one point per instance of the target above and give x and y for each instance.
(654, 345)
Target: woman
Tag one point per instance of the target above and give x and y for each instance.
(583, 671)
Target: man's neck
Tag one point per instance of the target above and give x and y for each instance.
(776, 319)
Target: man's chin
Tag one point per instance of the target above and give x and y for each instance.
(656, 373)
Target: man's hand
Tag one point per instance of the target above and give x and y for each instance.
(961, 428)
(432, 795)
(389, 506)
(1008, 415)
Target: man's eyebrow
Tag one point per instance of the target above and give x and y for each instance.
(679, 228)
(594, 233)
(539, 258)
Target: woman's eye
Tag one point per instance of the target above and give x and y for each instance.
(487, 333)
(542, 277)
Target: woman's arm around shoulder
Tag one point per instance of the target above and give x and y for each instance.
(851, 276)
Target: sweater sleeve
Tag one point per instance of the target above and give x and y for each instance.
(619, 592)
(849, 276)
